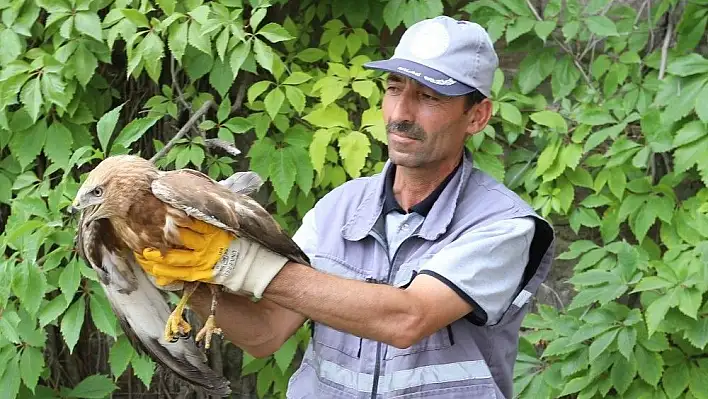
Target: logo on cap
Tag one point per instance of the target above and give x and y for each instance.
(429, 41)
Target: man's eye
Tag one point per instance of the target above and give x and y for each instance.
(429, 97)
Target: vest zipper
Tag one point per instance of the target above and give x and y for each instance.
(377, 365)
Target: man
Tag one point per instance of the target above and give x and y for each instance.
(420, 275)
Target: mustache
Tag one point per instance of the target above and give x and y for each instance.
(407, 129)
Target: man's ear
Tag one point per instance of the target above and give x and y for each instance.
(479, 116)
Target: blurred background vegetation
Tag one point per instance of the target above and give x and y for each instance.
(599, 122)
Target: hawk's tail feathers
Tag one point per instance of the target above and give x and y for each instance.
(142, 313)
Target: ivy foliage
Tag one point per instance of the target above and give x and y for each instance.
(601, 125)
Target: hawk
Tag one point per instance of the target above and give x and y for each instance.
(127, 204)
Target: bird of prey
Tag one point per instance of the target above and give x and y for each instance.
(127, 204)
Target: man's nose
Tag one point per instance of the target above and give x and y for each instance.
(403, 108)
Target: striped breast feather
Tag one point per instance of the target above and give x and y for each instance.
(203, 198)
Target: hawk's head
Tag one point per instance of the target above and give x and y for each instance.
(109, 187)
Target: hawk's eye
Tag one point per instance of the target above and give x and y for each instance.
(98, 191)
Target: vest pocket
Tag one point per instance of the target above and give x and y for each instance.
(326, 338)
(441, 339)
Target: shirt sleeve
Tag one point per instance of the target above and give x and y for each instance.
(306, 235)
(485, 266)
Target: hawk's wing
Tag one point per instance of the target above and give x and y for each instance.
(141, 308)
(203, 198)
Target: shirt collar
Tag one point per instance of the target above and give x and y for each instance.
(423, 207)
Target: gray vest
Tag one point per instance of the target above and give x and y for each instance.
(467, 359)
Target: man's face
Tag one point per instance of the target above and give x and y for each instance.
(424, 128)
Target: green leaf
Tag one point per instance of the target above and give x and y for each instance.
(85, 64)
(689, 133)
(652, 283)
(626, 339)
(263, 54)
(657, 310)
(257, 17)
(31, 366)
(535, 68)
(136, 17)
(510, 113)
(690, 300)
(27, 144)
(649, 365)
(134, 130)
(106, 124)
(168, 6)
(551, 119)
(354, 148)
(275, 33)
(691, 64)
(296, 98)
(305, 172)
(120, 355)
(221, 77)
(196, 39)
(311, 55)
(697, 334)
(71, 323)
(94, 386)
(284, 356)
(12, 46)
(273, 101)
(31, 97)
(575, 385)
(702, 106)
(622, 374)
(89, 23)
(102, 315)
(297, 78)
(617, 182)
(318, 148)
(36, 285)
(11, 379)
(601, 25)
(519, 27)
(601, 344)
(283, 171)
(58, 144)
(144, 368)
(327, 117)
(565, 76)
(177, 39)
(52, 310)
(675, 379)
(642, 221)
(69, 279)
(544, 28)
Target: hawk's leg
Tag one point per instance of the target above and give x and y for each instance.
(176, 325)
(210, 327)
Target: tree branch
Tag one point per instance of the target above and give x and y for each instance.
(224, 145)
(563, 46)
(665, 48)
(201, 111)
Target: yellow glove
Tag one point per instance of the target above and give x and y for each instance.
(204, 245)
(215, 256)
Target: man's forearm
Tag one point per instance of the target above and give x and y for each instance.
(375, 311)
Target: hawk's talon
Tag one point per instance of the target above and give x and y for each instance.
(207, 331)
(176, 327)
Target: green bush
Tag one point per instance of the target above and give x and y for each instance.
(601, 125)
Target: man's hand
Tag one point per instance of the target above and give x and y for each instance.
(215, 256)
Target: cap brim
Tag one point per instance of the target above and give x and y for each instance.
(426, 76)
